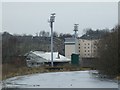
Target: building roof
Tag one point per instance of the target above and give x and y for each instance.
(89, 37)
(47, 56)
(98, 34)
(70, 40)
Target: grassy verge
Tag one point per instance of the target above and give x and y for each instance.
(13, 70)
(118, 77)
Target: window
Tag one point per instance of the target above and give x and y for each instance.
(88, 44)
(37, 63)
(32, 63)
(85, 43)
(79, 50)
(79, 47)
(84, 47)
(88, 50)
(94, 43)
(88, 54)
(28, 58)
(85, 50)
(88, 47)
(94, 50)
(79, 44)
(85, 54)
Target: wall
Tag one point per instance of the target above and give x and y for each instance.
(86, 48)
(69, 49)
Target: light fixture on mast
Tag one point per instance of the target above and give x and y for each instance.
(52, 19)
(76, 29)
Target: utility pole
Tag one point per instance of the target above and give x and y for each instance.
(52, 19)
(76, 42)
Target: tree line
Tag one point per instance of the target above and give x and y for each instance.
(108, 62)
(15, 45)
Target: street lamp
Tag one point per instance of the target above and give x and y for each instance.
(76, 42)
(52, 19)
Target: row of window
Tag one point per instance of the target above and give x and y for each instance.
(36, 63)
(89, 50)
(87, 47)
(86, 54)
(88, 44)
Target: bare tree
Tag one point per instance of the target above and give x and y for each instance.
(108, 54)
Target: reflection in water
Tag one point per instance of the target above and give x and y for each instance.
(95, 75)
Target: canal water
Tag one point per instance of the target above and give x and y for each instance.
(75, 79)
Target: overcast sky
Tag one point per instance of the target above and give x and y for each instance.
(32, 17)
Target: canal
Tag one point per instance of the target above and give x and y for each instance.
(74, 79)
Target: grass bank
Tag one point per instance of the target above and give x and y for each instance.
(13, 70)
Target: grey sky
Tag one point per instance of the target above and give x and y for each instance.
(32, 17)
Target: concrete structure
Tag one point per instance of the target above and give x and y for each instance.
(86, 47)
(39, 58)
(69, 47)
(75, 36)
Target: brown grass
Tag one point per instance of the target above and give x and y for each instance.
(9, 70)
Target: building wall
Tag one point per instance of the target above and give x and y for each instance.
(33, 60)
(69, 49)
(86, 48)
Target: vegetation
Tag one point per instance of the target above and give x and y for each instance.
(10, 70)
(94, 34)
(14, 48)
(108, 54)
